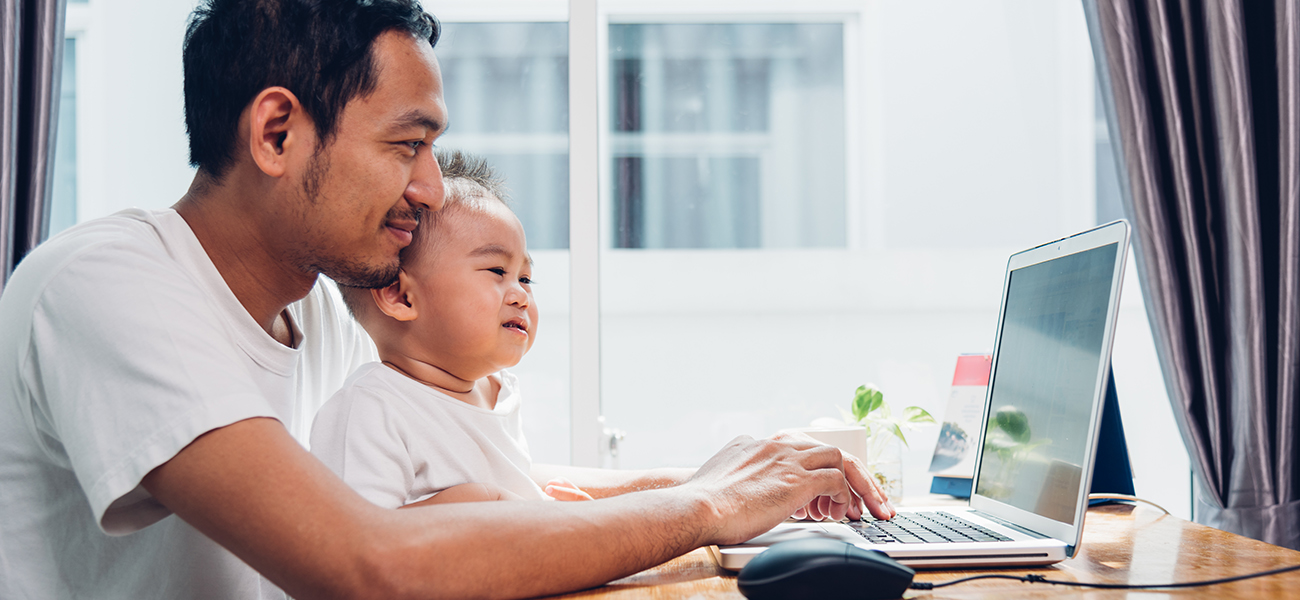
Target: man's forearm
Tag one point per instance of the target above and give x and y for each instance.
(524, 549)
(253, 489)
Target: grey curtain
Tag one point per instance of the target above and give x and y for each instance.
(31, 57)
(1203, 100)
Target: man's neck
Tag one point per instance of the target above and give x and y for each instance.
(231, 234)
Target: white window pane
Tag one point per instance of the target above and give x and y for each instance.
(727, 135)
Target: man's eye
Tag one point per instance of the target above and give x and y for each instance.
(415, 146)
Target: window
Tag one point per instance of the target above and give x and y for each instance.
(727, 135)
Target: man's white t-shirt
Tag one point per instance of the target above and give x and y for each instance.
(120, 344)
(397, 441)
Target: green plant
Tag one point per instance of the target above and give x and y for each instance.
(871, 411)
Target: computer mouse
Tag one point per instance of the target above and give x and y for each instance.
(823, 569)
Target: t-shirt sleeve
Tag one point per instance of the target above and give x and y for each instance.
(135, 364)
(358, 436)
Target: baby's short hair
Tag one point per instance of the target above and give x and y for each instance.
(470, 182)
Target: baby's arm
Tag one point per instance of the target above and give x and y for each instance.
(468, 492)
(603, 483)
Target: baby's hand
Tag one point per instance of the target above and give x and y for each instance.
(563, 489)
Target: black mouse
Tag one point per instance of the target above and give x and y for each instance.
(823, 569)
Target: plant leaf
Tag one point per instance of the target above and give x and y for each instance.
(884, 412)
(916, 414)
(875, 398)
(866, 399)
(860, 408)
(893, 428)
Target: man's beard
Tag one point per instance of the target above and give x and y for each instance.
(342, 269)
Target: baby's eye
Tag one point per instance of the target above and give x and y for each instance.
(526, 280)
(499, 271)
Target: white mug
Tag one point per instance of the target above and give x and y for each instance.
(850, 439)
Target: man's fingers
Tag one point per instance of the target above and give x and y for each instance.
(855, 508)
(865, 485)
(825, 506)
(863, 494)
(829, 462)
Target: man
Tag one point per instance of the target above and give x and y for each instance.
(154, 364)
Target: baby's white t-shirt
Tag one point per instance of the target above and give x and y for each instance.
(397, 441)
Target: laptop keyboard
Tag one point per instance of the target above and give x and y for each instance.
(923, 527)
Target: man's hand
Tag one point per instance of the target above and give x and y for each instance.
(752, 485)
(563, 489)
(865, 487)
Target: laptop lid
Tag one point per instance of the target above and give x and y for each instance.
(1047, 382)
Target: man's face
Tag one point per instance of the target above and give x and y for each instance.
(361, 194)
(472, 287)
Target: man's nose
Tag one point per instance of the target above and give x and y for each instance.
(425, 190)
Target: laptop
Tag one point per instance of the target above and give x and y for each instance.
(1038, 438)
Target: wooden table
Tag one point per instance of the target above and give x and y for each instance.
(1121, 544)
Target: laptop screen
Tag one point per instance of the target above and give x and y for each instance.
(1041, 390)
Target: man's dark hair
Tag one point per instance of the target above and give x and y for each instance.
(321, 50)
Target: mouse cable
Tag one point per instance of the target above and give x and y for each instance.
(1125, 497)
(1033, 578)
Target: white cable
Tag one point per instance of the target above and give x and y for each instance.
(1125, 497)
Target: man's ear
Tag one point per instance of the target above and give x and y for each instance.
(396, 299)
(276, 125)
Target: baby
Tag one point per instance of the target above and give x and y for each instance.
(438, 420)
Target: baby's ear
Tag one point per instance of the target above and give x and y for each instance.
(395, 300)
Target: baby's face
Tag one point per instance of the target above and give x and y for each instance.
(474, 293)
